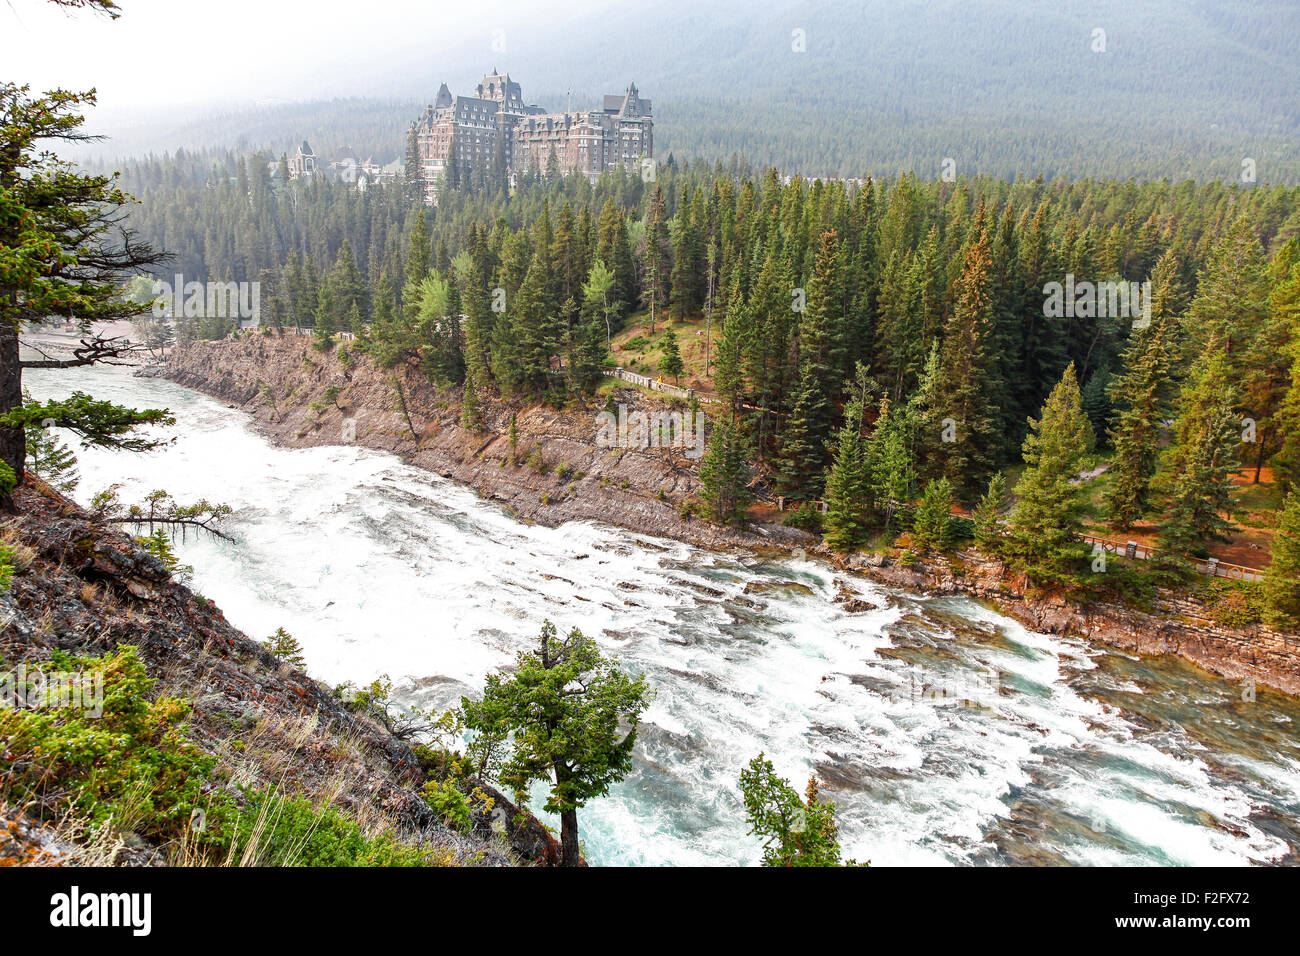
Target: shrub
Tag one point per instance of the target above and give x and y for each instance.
(131, 763)
(806, 517)
(278, 830)
(536, 461)
(449, 803)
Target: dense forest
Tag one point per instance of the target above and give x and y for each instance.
(875, 341)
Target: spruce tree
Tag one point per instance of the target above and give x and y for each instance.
(724, 475)
(807, 430)
(848, 487)
(1196, 472)
(889, 461)
(1282, 578)
(988, 516)
(670, 362)
(49, 459)
(930, 527)
(1144, 392)
(657, 260)
(968, 443)
(1043, 528)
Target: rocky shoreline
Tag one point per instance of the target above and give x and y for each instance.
(557, 472)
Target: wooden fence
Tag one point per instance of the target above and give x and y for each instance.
(655, 385)
(1142, 552)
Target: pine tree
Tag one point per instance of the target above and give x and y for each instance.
(1231, 302)
(670, 362)
(1196, 472)
(1144, 392)
(848, 487)
(285, 646)
(724, 475)
(1045, 521)
(1285, 305)
(889, 461)
(1282, 578)
(657, 261)
(807, 430)
(988, 516)
(969, 443)
(49, 459)
(930, 527)
(728, 373)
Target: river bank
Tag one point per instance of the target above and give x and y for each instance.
(557, 472)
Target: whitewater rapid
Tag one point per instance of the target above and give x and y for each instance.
(945, 732)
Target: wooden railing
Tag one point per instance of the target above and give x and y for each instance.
(656, 385)
(1142, 552)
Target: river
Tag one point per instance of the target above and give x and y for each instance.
(945, 732)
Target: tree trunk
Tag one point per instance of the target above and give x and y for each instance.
(569, 854)
(13, 441)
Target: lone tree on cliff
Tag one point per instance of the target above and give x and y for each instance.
(67, 253)
(570, 717)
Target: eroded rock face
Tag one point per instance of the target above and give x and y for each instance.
(573, 478)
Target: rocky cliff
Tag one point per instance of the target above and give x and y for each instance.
(557, 472)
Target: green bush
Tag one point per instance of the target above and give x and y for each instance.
(275, 830)
(806, 516)
(132, 762)
(449, 803)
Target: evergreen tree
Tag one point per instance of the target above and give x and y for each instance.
(795, 832)
(64, 252)
(930, 527)
(1282, 577)
(725, 474)
(808, 428)
(570, 717)
(657, 262)
(988, 516)
(890, 463)
(1196, 471)
(1043, 528)
(49, 459)
(1144, 393)
(670, 362)
(848, 487)
(969, 440)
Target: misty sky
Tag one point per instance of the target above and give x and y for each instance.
(166, 52)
